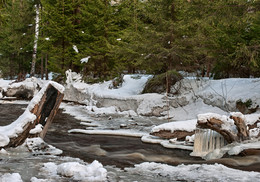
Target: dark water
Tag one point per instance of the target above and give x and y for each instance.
(109, 150)
(115, 150)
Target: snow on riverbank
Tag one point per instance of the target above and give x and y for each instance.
(196, 172)
(196, 96)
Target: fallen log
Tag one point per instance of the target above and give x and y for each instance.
(41, 110)
(216, 125)
(179, 134)
(225, 126)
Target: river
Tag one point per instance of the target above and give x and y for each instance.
(114, 152)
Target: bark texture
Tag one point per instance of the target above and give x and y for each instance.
(44, 110)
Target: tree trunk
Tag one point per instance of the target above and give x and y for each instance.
(44, 110)
(42, 68)
(46, 67)
(36, 36)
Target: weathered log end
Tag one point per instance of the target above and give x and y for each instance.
(44, 106)
(243, 133)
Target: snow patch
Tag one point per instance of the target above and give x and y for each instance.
(188, 125)
(7, 177)
(85, 60)
(195, 172)
(76, 171)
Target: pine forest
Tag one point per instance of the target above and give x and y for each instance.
(102, 39)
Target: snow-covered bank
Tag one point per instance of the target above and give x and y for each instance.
(126, 98)
(226, 93)
(195, 96)
(194, 172)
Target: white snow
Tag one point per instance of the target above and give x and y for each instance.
(75, 48)
(15, 128)
(251, 118)
(72, 77)
(195, 172)
(80, 172)
(228, 124)
(132, 85)
(7, 177)
(226, 92)
(121, 132)
(38, 128)
(240, 147)
(85, 60)
(188, 125)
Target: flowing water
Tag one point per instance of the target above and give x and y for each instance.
(116, 151)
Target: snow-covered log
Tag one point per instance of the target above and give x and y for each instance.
(36, 119)
(235, 128)
(177, 129)
(216, 123)
(179, 134)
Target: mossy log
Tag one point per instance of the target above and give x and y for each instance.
(44, 110)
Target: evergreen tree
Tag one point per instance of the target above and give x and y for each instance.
(16, 38)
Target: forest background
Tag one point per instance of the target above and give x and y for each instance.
(217, 38)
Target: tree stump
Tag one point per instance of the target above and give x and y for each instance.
(44, 109)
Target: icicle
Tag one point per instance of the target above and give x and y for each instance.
(205, 141)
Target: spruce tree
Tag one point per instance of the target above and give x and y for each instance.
(16, 38)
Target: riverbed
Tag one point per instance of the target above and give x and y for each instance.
(114, 152)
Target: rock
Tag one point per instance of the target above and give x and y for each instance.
(158, 83)
(25, 90)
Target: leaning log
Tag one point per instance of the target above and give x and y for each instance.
(216, 125)
(43, 107)
(225, 125)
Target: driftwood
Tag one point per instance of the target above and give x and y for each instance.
(243, 133)
(180, 135)
(216, 125)
(44, 110)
